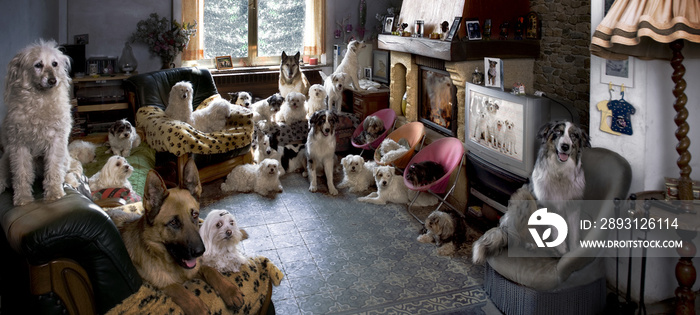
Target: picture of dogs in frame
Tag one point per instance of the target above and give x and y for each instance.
(388, 25)
(224, 62)
(494, 72)
(473, 30)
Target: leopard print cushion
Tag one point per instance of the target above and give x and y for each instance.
(253, 280)
(164, 134)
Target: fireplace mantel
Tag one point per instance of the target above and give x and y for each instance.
(460, 50)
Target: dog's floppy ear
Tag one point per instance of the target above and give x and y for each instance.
(234, 97)
(154, 194)
(13, 70)
(191, 179)
(584, 138)
(544, 130)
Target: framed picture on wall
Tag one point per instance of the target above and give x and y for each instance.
(224, 62)
(617, 72)
(380, 66)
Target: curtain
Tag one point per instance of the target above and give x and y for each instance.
(193, 10)
(314, 26)
(636, 27)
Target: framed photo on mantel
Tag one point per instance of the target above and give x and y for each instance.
(452, 34)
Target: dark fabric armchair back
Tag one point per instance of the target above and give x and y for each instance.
(153, 88)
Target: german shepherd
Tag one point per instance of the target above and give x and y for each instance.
(165, 246)
(291, 77)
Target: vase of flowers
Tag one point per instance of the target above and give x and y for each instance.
(165, 39)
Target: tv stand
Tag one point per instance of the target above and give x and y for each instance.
(491, 184)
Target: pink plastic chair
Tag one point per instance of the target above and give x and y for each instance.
(448, 152)
(388, 116)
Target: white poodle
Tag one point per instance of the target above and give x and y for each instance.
(292, 110)
(221, 235)
(122, 138)
(391, 188)
(263, 178)
(316, 101)
(213, 117)
(357, 173)
(83, 151)
(334, 85)
(37, 122)
(114, 174)
(180, 102)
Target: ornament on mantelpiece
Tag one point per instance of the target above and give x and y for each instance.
(127, 61)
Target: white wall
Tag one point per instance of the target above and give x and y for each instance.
(651, 149)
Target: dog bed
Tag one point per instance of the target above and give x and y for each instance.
(255, 281)
(164, 134)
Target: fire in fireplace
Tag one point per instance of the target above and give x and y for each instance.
(437, 105)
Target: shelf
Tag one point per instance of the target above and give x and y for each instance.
(102, 107)
(460, 50)
(117, 76)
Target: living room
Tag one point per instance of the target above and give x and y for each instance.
(563, 69)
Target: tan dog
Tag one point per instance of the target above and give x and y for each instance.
(165, 246)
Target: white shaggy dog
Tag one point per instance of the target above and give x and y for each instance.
(292, 110)
(122, 138)
(391, 188)
(38, 121)
(83, 151)
(266, 110)
(263, 178)
(180, 102)
(447, 229)
(334, 85)
(316, 101)
(320, 148)
(213, 117)
(509, 138)
(114, 174)
(350, 64)
(221, 235)
(391, 150)
(357, 173)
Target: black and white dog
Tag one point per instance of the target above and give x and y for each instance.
(320, 148)
(556, 180)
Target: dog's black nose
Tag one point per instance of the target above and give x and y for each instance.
(327, 130)
(52, 81)
(565, 147)
(229, 232)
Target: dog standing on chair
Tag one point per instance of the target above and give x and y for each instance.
(556, 180)
(320, 148)
(37, 123)
(221, 235)
(292, 79)
(180, 102)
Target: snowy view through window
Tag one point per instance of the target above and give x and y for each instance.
(280, 27)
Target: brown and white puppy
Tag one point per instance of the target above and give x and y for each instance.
(122, 138)
(165, 246)
(291, 77)
(320, 148)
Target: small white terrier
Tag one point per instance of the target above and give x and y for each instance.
(83, 151)
(334, 84)
(114, 174)
(391, 188)
(213, 117)
(122, 138)
(180, 102)
(221, 235)
(357, 173)
(263, 178)
(316, 101)
(292, 110)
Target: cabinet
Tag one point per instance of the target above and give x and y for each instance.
(98, 103)
(365, 102)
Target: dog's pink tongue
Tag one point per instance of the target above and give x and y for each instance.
(191, 263)
(563, 157)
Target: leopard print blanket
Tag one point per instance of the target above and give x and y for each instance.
(253, 280)
(164, 134)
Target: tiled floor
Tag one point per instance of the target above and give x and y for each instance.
(343, 256)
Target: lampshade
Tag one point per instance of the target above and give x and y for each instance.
(640, 28)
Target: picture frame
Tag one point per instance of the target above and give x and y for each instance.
(533, 27)
(224, 62)
(388, 24)
(380, 66)
(493, 68)
(617, 72)
(368, 73)
(473, 29)
(81, 39)
(452, 34)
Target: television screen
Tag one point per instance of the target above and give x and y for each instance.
(496, 124)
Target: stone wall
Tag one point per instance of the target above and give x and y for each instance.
(563, 69)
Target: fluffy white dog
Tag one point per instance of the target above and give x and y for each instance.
(292, 110)
(350, 64)
(334, 84)
(82, 151)
(316, 101)
(114, 174)
(180, 102)
(122, 138)
(221, 235)
(391, 188)
(357, 173)
(213, 117)
(391, 150)
(263, 178)
(38, 121)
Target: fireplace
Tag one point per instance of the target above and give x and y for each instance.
(437, 101)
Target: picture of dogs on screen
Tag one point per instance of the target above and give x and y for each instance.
(165, 246)
(556, 181)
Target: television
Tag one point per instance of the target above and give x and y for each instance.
(501, 135)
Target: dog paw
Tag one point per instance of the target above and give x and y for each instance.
(332, 191)
(443, 251)
(313, 188)
(23, 200)
(54, 195)
(425, 238)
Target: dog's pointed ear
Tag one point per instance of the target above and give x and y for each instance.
(191, 179)
(298, 54)
(154, 194)
(284, 55)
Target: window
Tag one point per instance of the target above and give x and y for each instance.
(255, 32)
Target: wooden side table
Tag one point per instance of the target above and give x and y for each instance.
(365, 102)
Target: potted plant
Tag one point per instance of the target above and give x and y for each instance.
(165, 39)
